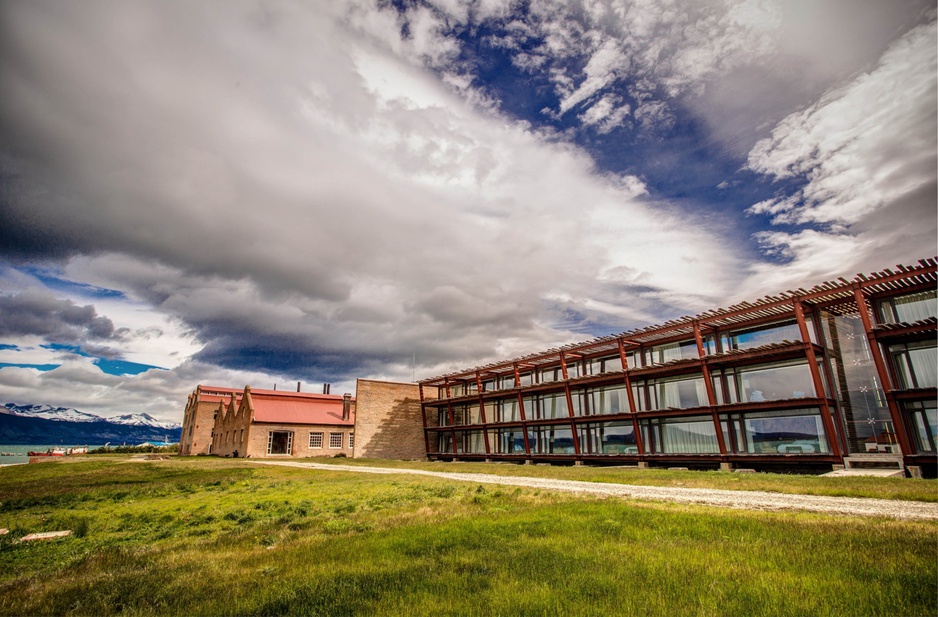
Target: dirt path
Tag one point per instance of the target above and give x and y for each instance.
(749, 500)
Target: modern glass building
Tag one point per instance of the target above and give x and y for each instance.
(843, 373)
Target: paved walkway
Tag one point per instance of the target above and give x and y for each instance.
(749, 500)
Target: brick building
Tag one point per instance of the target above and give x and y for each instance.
(199, 418)
(268, 423)
(843, 373)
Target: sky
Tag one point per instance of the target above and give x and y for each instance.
(250, 192)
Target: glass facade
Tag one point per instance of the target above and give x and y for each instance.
(860, 393)
(767, 402)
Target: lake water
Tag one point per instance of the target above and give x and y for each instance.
(20, 453)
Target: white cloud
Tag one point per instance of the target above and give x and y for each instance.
(868, 153)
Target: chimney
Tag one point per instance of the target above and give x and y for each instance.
(298, 386)
(326, 387)
(346, 406)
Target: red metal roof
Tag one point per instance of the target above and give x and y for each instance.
(299, 408)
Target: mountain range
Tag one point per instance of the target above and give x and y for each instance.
(44, 424)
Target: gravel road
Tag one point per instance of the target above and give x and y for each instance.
(749, 500)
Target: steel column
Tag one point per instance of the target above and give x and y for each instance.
(819, 389)
(708, 385)
(636, 429)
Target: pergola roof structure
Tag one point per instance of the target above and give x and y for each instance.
(837, 296)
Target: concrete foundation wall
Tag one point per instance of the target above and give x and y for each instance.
(388, 422)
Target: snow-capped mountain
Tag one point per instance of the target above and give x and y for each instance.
(142, 419)
(64, 414)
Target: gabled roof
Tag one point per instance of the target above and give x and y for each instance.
(298, 408)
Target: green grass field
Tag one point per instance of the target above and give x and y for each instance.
(224, 537)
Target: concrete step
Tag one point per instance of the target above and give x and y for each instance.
(879, 473)
(874, 461)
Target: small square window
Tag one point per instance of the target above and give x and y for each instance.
(335, 440)
(315, 440)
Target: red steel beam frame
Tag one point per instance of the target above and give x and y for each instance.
(820, 391)
(569, 395)
(423, 415)
(485, 432)
(708, 384)
(521, 414)
(636, 429)
(884, 378)
(449, 413)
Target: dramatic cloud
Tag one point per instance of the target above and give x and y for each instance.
(325, 191)
(40, 313)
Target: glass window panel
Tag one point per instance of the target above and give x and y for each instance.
(688, 436)
(775, 383)
(924, 362)
(553, 440)
(910, 308)
(765, 335)
(791, 433)
(491, 411)
(916, 364)
(681, 393)
(508, 410)
(508, 441)
(547, 375)
(459, 415)
(506, 382)
(554, 406)
(660, 354)
(607, 438)
(526, 378)
(608, 400)
(470, 442)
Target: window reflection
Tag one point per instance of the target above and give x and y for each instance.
(607, 438)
